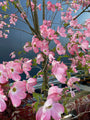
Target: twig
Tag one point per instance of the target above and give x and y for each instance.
(13, 16)
(19, 30)
(80, 115)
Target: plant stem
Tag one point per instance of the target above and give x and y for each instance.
(45, 76)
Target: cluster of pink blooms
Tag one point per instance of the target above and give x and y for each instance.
(13, 19)
(13, 69)
(51, 107)
(66, 16)
(84, 2)
(23, 15)
(53, 7)
(3, 34)
(33, 6)
(17, 92)
(4, 3)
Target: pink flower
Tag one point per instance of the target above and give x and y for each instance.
(17, 93)
(59, 70)
(30, 83)
(3, 74)
(1, 34)
(11, 0)
(32, 6)
(61, 31)
(13, 70)
(50, 109)
(51, 34)
(72, 80)
(27, 67)
(73, 23)
(3, 98)
(72, 48)
(39, 6)
(72, 93)
(47, 23)
(49, 5)
(12, 54)
(13, 19)
(54, 93)
(35, 44)
(60, 49)
(87, 33)
(44, 31)
(51, 56)
(39, 58)
(58, 5)
(27, 47)
(85, 45)
(23, 15)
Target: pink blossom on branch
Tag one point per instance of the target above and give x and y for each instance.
(17, 92)
(30, 83)
(3, 98)
(54, 93)
(50, 109)
(60, 49)
(3, 74)
(26, 66)
(72, 80)
(59, 71)
(61, 31)
(13, 70)
(39, 58)
(12, 54)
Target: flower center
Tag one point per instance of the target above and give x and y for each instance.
(49, 107)
(34, 45)
(12, 70)
(57, 48)
(14, 89)
(0, 73)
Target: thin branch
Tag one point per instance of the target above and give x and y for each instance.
(19, 30)
(81, 13)
(34, 32)
(13, 16)
(43, 9)
(53, 17)
(80, 115)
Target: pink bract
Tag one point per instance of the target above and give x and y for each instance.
(3, 98)
(50, 109)
(13, 70)
(17, 93)
(3, 74)
(30, 83)
(59, 70)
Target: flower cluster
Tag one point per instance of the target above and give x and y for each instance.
(50, 66)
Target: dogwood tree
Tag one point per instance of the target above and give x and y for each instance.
(49, 29)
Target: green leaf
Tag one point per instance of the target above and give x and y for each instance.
(68, 75)
(59, 58)
(54, 49)
(65, 110)
(66, 24)
(34, 62)
(40, 73)
(65, 55)
(36, 106)
(4, 8)
(81, 54)
(6, 16)
(20, 52)
(35, 95)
